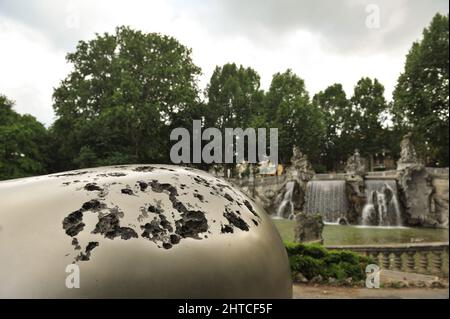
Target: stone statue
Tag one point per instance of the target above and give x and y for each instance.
(408, 155)
(300, 161)
(355, 164)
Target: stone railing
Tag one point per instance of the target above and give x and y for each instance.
(426, 258)
(258, 181)
(439, 172)
(382, 175)
(329, 176)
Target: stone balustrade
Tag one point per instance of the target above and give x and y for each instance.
(424, 258)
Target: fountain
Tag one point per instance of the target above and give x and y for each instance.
(382, 207)
(412, 195)
(286, 207)
(291, 195)
(327, 198)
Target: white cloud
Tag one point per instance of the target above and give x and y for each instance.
(29, 69)
(323, 43)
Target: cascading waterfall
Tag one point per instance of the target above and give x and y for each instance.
(286, 207)
(382, 207)
(327, 198)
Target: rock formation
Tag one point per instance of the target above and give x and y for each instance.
(408, 155)
(415, 193)
(356, 198)
(308, 228)
(439, 201)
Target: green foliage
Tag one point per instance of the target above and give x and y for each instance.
(234, 97)
(369, 113)
(421, 95)
(299, 122)
(339, 124)
(354, 123)
(125, 94)
(22, 143)
(312, 260)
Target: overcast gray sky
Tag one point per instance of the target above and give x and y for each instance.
(323, 41)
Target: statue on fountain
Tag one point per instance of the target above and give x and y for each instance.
(291, 195)
(355, 164)
(408, 155)
(300, 163)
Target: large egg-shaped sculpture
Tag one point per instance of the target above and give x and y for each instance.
(136, 232)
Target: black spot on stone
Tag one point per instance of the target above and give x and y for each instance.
(191, 224)
(72, 174)
(165, 223)
(153, 231)
(174, 239)
(166, 169)
(201, 181)
(73, 223)
(228, 197)
(127, 191)
(143, 186)
(144, 169)
(117, 174)
(167, 245)
(236, 221)
(76, 244)
(109, 226)
(199, 196)
(250, 207)
(87, 254)
(226, 229)
(93, 204)
(127, 233)
(91, 246)
(255, 222)
(92, 187)
(154, 209)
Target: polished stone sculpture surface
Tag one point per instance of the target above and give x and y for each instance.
(137, 231)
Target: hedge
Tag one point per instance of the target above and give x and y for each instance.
(312, 260)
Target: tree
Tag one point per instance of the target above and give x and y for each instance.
(339, 126)
(234, 97)
(126, 92)
(421, 95)
(298, 121)
(22, 143)
(369, 114)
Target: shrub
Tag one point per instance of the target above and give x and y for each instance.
(313, 260)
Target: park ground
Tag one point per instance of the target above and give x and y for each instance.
(393, 285)
(308, 291)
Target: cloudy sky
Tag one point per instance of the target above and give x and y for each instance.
(323, 41)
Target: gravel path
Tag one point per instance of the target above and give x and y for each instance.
(302, 291)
